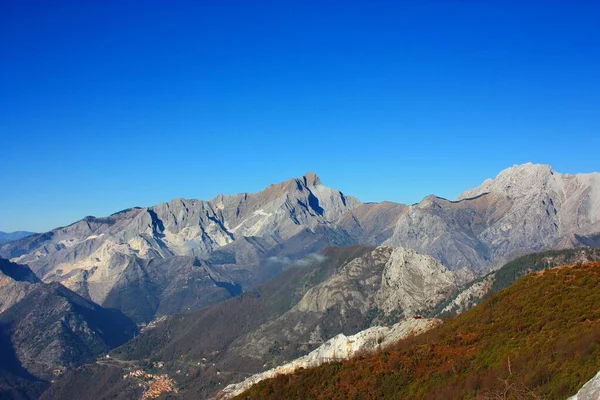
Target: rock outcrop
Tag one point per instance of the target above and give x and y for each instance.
(340, 347)
(413, 282)
(589, 391)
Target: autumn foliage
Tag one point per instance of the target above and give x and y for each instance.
(539, 338)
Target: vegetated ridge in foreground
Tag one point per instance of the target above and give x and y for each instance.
(500, 279)
(539, 338)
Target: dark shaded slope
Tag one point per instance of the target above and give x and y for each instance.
(52, 329)
(15, 282)
(540, 337)
(15, 381)
(94, 381)
(17, 272)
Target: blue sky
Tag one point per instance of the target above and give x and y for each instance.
(110, 104)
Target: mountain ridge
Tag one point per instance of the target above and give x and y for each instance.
(237, 237)
(6, 237)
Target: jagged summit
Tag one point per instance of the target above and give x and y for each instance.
(311, 179)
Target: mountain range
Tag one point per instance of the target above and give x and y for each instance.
(233, 286)
(186, 254)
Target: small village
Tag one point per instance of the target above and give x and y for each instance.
(154, 385)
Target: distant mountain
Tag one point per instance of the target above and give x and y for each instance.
(536, 339)
(187, 254)
(6, 237)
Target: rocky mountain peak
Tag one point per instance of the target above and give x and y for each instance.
(518, 179)
(311, 179)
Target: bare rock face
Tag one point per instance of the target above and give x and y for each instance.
(353, 288)
(340, 347)
(380, 286)
(413, 282)
(526, 208)
(388, 279)
(371, 223)
(589, 391)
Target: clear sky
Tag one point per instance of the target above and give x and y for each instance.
(106, 104)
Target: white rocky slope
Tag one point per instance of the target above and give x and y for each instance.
(526, 208)
(184, 227)
(340, 347)
(589, 391)
(470, 295)
(409, 282)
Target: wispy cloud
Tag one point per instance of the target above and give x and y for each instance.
(313, 258)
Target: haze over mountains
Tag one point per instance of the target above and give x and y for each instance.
(304, 262)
